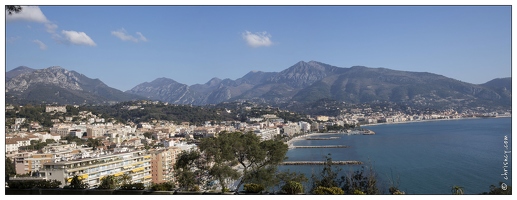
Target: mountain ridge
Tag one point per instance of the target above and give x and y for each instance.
(301, 83)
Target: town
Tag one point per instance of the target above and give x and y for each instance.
(91, 147)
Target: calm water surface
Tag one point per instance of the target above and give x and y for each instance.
(423, 158)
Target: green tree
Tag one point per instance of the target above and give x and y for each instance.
(503, 190)
(290, 181)
(109, 182)
(328, 177)
(94, 143)
(363, 180)
(9, 167)
(457, 190)
(257, 158)
(77, 183)
(188, 169)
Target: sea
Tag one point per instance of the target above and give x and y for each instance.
(420, 158)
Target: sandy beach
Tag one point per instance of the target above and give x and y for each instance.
(303, 137)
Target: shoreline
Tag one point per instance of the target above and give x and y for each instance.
(302, 137)
(432, 120)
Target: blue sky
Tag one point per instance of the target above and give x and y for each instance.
(127, 45)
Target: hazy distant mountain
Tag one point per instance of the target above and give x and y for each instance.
(500, 83)
(307, 82)
(17, 71)
(55, 84)
(361, 84)
(304, 83)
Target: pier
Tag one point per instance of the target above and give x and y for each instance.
(316, 138)
(328, 146)
(347, 162)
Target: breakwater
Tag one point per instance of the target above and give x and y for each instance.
(316, 138)
(327, 146)
(346, 162)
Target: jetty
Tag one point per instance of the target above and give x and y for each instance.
(317, 138)
(346, 162)
(327, 146)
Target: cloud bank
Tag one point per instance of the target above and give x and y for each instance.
(28, 13)
(259, 39)
(122, 34)
(78, 38)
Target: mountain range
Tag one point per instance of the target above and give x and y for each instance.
(302, 83)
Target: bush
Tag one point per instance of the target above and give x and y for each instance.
(29, 184)
(162, 187)
(133, 186)
(328, 190)
(253, 188)
(195, 188)
(292, 187)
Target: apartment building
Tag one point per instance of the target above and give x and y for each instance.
(162, 164)
(92, 169)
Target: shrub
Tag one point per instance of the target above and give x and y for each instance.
(42, 184)
(133, 186)
(253, 188)
(292, 187)
(328, 190)
(162, 187)
(195, 188)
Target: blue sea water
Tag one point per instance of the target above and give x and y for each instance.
(421, 158)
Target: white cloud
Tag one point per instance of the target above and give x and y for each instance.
(28, 13)
(142, 37)
(257, 39)
(122, 34)
(78, 38)
(42, 45)
(13, 39)
(51, 28)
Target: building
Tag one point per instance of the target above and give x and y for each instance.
(162, 164)
(92, 169)
(55, 109)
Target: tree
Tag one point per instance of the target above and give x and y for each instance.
(257, 158)
(291, 181)
(457, 190)
(109, 182)
(187, 169)
(503, 190)
(94, 143)
(9, 167)
(77, 183)
(328, 177)
(361, 180)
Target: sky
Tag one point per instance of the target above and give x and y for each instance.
(124, 46)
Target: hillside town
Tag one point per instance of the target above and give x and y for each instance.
(91, 147)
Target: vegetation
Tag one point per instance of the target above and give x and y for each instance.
(292, 187)
(457, 190)
(328, 177)
(253, 188)
(327, 190)
(132, 186)
(189, 170)
(10, 9)
(361, 180)
(167, 186)
(108, 182)
(503, 190)
(77, 183)
(29, 184)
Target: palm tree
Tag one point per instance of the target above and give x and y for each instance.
(457, 190)
(125, 179)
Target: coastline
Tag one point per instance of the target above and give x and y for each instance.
(432, 120)
(302, 137)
